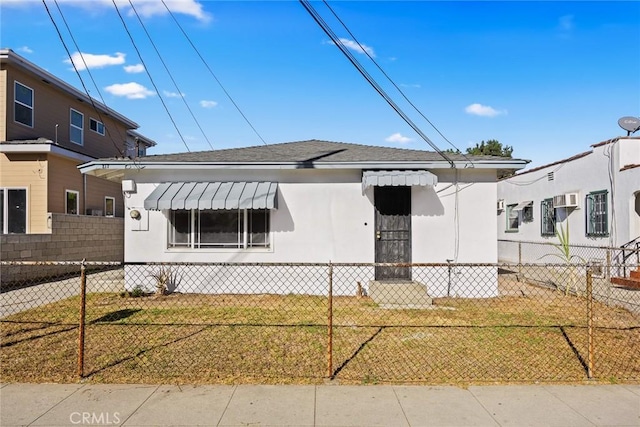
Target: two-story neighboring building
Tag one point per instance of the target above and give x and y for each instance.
(48, 128)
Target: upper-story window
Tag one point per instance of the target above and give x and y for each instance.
(142, 151)
(23, 104)
(76, 128)
(96, 126)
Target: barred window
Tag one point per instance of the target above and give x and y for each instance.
(548, 218)
(597, 214)
(238, 229)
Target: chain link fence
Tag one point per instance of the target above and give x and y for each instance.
(305, 323)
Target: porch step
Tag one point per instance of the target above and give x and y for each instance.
(399, 294)
(632, 282)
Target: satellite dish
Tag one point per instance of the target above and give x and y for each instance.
(630, 124)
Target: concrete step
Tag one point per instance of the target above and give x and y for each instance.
(400, 294)
(627, 282)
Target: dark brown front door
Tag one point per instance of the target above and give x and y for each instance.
(393, 231)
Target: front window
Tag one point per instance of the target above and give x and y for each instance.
(13, 210)
(76, 129)
(597, 214)
(548, 215)
(239, 229)
(23, 104)
(512, 218)
(109, 206)
(71, 202)
(96, 126)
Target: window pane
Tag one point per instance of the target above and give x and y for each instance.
(76, 119)
(108, 206)
(23, 115)
(72, 203)
(2, 211)
(259, 228)
(512, 218)
(180, 232)
(221, 228)
(76, 135)
(17, 211)
(23, 95)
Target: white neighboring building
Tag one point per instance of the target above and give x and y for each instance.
(310, 202)
(596, 194)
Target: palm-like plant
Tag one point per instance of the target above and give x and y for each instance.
(564, 247)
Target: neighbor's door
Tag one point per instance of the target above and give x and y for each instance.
(393, 231)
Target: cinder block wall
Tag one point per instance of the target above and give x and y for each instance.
(72, 238)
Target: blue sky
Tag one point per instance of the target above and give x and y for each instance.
(548, 78)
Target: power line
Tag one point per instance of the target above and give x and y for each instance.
(95, 107)
(391, 80)
(336, 40)
(149, 75)
(170, 75)
(214, 76)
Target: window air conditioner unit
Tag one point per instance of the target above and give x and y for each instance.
(94, 212)
(567, 200)
(500, 204)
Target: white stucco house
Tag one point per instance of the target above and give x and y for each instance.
(309, 202)
(595, 194)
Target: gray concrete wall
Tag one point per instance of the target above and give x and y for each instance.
(72, 238)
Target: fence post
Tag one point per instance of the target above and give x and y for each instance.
(83, 304)
(330, 325)
(590, 323)
(519, 259)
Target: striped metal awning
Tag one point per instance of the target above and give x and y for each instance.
(522, 205)
(213, 195)
(398, 178)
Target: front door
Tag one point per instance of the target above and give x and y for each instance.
(393, 231)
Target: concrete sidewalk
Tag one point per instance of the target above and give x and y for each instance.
(322, 405)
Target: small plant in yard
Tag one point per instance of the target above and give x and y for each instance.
(564, 247)
(137, 292)
(164, 277)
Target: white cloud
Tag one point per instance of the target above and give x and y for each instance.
(398, 138)
(483, 110)
(130, 90)
(565, 23)
(208, 104)
(133, 69)
(25, 49)
(413, 85)
(172, 94)
(95, 61)
(359, 48)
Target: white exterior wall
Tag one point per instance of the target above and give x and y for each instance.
(322, 217)
(582, 175)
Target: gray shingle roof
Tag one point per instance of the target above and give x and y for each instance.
(310, 151)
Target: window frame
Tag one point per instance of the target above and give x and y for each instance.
(508, 211)
(113, 206)
(545, 217)
(595, 219)
(4, 209)
(66, 202)
(73, 127)
(244, 231)
(16, 102)
(99, 124)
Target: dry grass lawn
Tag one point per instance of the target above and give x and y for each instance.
(538, 335)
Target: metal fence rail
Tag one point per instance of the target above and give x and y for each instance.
(303, 323)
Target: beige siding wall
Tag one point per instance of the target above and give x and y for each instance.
(3, 105)
(63, 175)
(28, 171)
(53, 107)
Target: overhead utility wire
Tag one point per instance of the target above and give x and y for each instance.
(335, 39)
(170, 75)
(214, 76)
(149, 75)
(391, 80)
(64, 44)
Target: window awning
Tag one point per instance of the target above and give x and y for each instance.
(522, 205)
(398, 178)
(213, 195)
